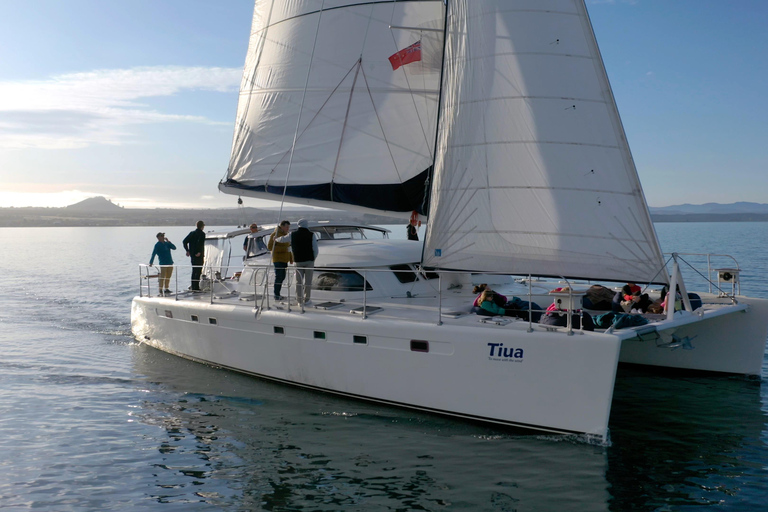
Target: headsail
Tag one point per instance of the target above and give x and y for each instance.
(533, 173)
(325, 118)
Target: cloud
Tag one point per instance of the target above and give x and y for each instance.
(82, 109)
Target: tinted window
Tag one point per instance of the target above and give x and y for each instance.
(340, 281)
(404, 273)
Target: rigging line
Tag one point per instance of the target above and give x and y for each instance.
(383, 133)
(706, 278)
(288, 152)
(301, 109)
(239, 135)
(344, 127)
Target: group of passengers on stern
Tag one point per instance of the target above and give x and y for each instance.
(298, 247)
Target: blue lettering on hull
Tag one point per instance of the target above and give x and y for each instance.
(501, 353)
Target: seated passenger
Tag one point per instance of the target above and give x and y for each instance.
(632, 300)
(487, 302)
(488, 306)
(498, 298)
(559, 318)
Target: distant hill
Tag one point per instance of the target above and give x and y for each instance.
(712, 208)
(711, 212)
(95, 204)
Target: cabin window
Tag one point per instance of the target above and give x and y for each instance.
(340, 281)
(360, 340)
(194, 318)
(168, 313)
(404, 273)
(319, 335)
(212, 321)
(419, 346)
(279, 330)
(339, 233)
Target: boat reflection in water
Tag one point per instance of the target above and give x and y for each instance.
(235, 441)
(245, 443)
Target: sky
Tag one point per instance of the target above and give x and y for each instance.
(135, 100)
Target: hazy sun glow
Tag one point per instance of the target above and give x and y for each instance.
(44, 199)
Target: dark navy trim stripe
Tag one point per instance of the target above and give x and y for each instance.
(396, 197)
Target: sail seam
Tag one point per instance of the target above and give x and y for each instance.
(360, 4)
(533, 187)
(553, 142)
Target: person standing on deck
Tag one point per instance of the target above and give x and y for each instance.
(412, 233)
(304, 248)
(162, 250)
(281, 256)
(194, 244)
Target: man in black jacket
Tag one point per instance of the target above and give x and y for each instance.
(194, 244)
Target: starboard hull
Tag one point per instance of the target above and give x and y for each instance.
(730, 343)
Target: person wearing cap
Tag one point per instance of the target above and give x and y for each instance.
(304, 249)
(194, 244)
(162, 250)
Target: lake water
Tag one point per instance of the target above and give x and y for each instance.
(93, 421)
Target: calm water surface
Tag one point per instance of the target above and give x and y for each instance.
(91, 420)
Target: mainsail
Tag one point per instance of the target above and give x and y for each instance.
(340, 104)
(533, 173)
(324, 118)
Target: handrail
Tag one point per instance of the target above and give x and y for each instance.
(709, 257)
(262, 282)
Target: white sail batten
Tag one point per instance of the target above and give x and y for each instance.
(533, 173)
(321, 73)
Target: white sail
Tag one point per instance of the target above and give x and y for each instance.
(323, 113)
(533, 173)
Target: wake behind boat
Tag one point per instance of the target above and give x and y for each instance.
(494, 123)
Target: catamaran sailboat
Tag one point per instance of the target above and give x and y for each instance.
(493, 123)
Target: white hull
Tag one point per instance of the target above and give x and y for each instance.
(560, 383)
(552, 382)
(733, 342)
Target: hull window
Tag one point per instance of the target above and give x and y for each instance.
(419, 346)
(212, 321)
(341, 281)
(168, 313)
(319, 335)
(360, 340)
(194, 318)
(279, 330)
